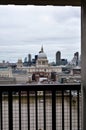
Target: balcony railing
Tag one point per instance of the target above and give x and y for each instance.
(40, 107)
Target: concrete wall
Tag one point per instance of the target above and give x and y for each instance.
(42, 2)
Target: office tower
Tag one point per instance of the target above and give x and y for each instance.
(76, 56)
(63, 61)
(58, 57)
(25, 59)
(36, 57)
(29, 58)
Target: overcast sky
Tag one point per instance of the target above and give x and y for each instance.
(24, 29)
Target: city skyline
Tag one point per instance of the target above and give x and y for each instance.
(24, 29)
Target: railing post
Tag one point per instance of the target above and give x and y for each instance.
(78, 106)
(28, 107)
(10, 110)
(62, 109)
(36, 106)
(53, 110)
(19, 110)
(70, 110)
(44, 107)
(0, 110)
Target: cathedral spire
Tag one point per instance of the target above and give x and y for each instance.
(42, 49)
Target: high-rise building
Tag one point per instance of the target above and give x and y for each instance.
(63, 62)
(25, 59)
(36, 57)
(58, 57)
(76, 55)
(29, 58)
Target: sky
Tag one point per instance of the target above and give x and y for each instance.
(24, 29)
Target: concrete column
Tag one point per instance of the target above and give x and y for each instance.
(83, 62)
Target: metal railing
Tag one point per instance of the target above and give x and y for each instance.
(40, 107)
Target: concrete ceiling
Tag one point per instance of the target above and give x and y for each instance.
(42, 2)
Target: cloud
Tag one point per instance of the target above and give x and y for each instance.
(25, 27)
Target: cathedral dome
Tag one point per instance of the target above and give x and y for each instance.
(42, 55)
